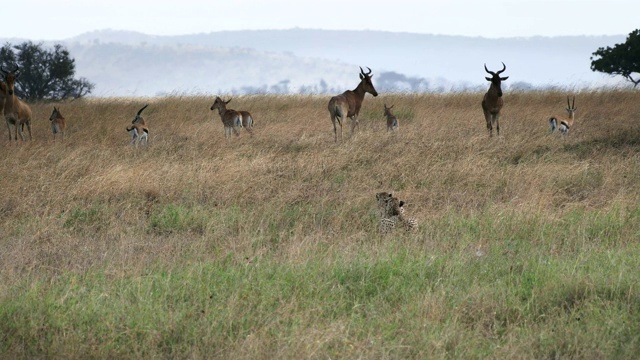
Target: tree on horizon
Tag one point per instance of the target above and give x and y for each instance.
(43, 74)
(621, 59)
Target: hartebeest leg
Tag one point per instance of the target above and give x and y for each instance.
(354, 124)
(497, 117)
(487, 118)
(29, 128)
(9, 128)
(18, 130)
(335, 131)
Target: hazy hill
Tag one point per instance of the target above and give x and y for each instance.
(304, 60)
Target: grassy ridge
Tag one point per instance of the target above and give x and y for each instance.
(267, 247)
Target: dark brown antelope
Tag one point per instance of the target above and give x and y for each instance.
(392, 120)
(492, 101)
(58, 123)
(231, 119)
(138, 130)
(348, 103)
(16, 112)
(565, 122)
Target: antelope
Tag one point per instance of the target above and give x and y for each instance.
(16, 112)
(247, 119)
(492, 101)
(348, 103)
(566, 122)
(58, 123)
(138, 129)
(231, 119)
(392, 120)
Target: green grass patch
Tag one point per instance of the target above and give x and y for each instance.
(399, 304)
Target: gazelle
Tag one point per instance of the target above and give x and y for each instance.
(348, 103)
(392, 120)
(58, 123)
(138, 129)
(231, 119)
(492, 101)
(16, 112)
(566, 122)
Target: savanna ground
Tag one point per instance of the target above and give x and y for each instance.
(267, 246)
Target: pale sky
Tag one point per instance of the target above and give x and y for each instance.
(61, 19)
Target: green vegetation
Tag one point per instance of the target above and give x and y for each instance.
(267, 247)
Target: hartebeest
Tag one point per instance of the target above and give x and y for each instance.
(231, 119)
(566, 122)
(138, 129)
(348, 103)
(16, 112)
(392, 120)
(58, 123)
(492, 101)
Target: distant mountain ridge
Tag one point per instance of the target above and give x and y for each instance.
(124, 63)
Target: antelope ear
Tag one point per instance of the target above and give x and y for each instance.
(504, 78)
(488, 78)
(361, 77)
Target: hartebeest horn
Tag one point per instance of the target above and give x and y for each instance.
(228, 101)
(140, 111)
(363, 73)
(15, 71)
(504, 67)
(487, 70)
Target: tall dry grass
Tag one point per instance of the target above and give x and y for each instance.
(291, 196)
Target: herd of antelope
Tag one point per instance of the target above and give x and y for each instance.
(346, 105)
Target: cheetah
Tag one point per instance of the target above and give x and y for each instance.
(391, 211)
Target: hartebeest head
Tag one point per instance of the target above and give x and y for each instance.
(366, 83)
(10, 78)
(495, 78)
